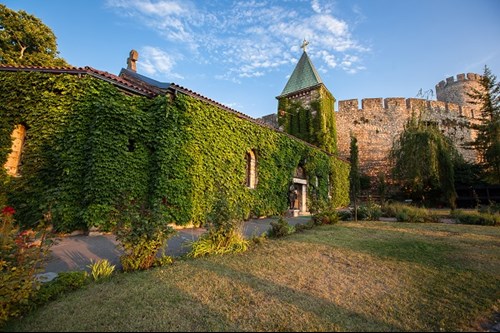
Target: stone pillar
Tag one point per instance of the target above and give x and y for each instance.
(303, 207)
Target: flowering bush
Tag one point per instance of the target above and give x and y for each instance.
(21, 256)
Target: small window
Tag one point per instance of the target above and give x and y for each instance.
(251, 172)
(14, 159)
(131, 145)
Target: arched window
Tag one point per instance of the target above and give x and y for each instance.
(14, 159)
(251, 172)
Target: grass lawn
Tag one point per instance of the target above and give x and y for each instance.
(366, 276)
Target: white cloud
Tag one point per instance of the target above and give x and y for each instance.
(316, 6)
(249, 38)
(155, 62)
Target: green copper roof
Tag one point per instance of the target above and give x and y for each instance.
(304, 76)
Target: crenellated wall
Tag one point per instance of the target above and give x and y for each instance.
(455, 90)
(379, 121)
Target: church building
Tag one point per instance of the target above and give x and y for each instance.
(80, 145)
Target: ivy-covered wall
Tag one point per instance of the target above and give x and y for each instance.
(310, 119)
(90, 149)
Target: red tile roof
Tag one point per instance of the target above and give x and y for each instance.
(127, 85)
(146, 90)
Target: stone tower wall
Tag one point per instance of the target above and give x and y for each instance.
(455, 90)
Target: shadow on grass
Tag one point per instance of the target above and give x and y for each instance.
(387, 244)
(340, 318)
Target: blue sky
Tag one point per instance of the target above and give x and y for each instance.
(241, 53)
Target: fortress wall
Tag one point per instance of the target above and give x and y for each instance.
(455, 90)
(378, 123)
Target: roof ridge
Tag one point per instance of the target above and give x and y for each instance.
(82, 70)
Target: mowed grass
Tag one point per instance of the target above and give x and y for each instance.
(367, 276)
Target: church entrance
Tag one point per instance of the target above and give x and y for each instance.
(300, 184)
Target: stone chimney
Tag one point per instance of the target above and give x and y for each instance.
(131, 60)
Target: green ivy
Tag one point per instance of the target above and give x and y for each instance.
(320, 129)
(89, 145)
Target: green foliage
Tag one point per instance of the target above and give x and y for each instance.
(218, 243)
(466, 173)
(422, 160)
(369, 212)
(64, 283)
(224, 231)
(476, 218)
(344, 215)
(280, 228)
(318, 129)
(22, 255)
(406, 213)
(325, 217)
(172, 156)
(381, 186)
(211, 145)
(142, 233)
(25, 40)
(492, 208)
(354, 174)
(101, 269)
(304, 226)
(366, 212)
(487, 141)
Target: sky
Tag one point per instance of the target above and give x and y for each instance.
(241, 53)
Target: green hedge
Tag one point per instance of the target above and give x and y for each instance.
(89, 147)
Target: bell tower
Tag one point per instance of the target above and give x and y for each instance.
(306, 106)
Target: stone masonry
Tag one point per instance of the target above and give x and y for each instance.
(378, 123)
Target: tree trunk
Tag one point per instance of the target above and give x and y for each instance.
(23, 48)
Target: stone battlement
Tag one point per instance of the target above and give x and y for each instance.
(460, 78)
(400, 104)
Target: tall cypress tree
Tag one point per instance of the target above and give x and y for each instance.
(487, 142)
(354, 182)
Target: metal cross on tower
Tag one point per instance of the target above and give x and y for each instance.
(304, 45)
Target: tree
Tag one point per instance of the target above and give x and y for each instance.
(422, 161)
(487, 141)
(354, 175)
(26, 41)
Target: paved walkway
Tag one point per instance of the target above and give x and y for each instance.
(74, 253)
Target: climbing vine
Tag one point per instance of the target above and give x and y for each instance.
(90, 147)
(313, 121)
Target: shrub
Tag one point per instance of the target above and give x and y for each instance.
(224, 232)
(300, 227)
(257, 240)
(476, 218)
(142, 232)
(325, 217)
(101, 269)
(22, 255)
(369, 212)
(344, 215)
(65, 282)
(280, 228)
(405, 213)
(492, 208)
(216, 243)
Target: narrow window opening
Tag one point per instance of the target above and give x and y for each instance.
(14, 159)
(251, 172)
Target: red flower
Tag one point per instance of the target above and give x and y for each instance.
(8, 211)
